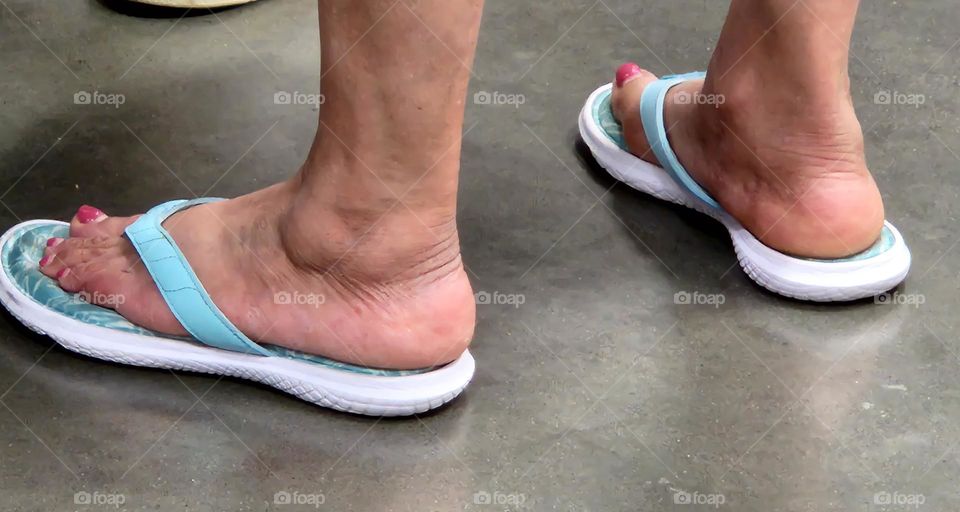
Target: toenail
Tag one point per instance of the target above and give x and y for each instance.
(53, 242)
(63, 272)
(87, 214)
(46, 260)
(625, 72)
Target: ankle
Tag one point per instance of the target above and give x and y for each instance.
(791, 140)
(403, 280)
(371, 240)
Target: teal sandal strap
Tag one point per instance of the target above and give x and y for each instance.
(651, 114)
(179, 285)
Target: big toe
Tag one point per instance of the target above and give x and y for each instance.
(92, 222)
(628, 86)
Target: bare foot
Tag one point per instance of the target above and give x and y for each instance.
(391, 294)
(356, 258)
(787, 161)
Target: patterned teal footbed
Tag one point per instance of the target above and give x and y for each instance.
(603, 116)
(25, 248)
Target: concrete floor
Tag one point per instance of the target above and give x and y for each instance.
(598, 392)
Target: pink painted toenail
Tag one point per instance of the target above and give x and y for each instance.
(53, 242)
(625, 72)
(63, 272)
(45, 260)
(87, 214)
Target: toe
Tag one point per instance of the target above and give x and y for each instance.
(87, 265)
(107, 271)
(69, 280)
(629, 83)
(73, 252)
(90, 222)
(99, 281)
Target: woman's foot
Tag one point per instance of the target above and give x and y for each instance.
(771, 134)
(357, 258)
(387, 294)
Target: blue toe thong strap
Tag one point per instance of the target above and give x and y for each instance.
(179, 285)
(651, 114)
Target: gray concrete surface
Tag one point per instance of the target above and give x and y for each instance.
(598, 392)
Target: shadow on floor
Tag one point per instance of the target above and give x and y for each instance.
(141, 10)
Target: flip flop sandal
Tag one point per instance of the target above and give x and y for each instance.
(871, 272)
(216, 345)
